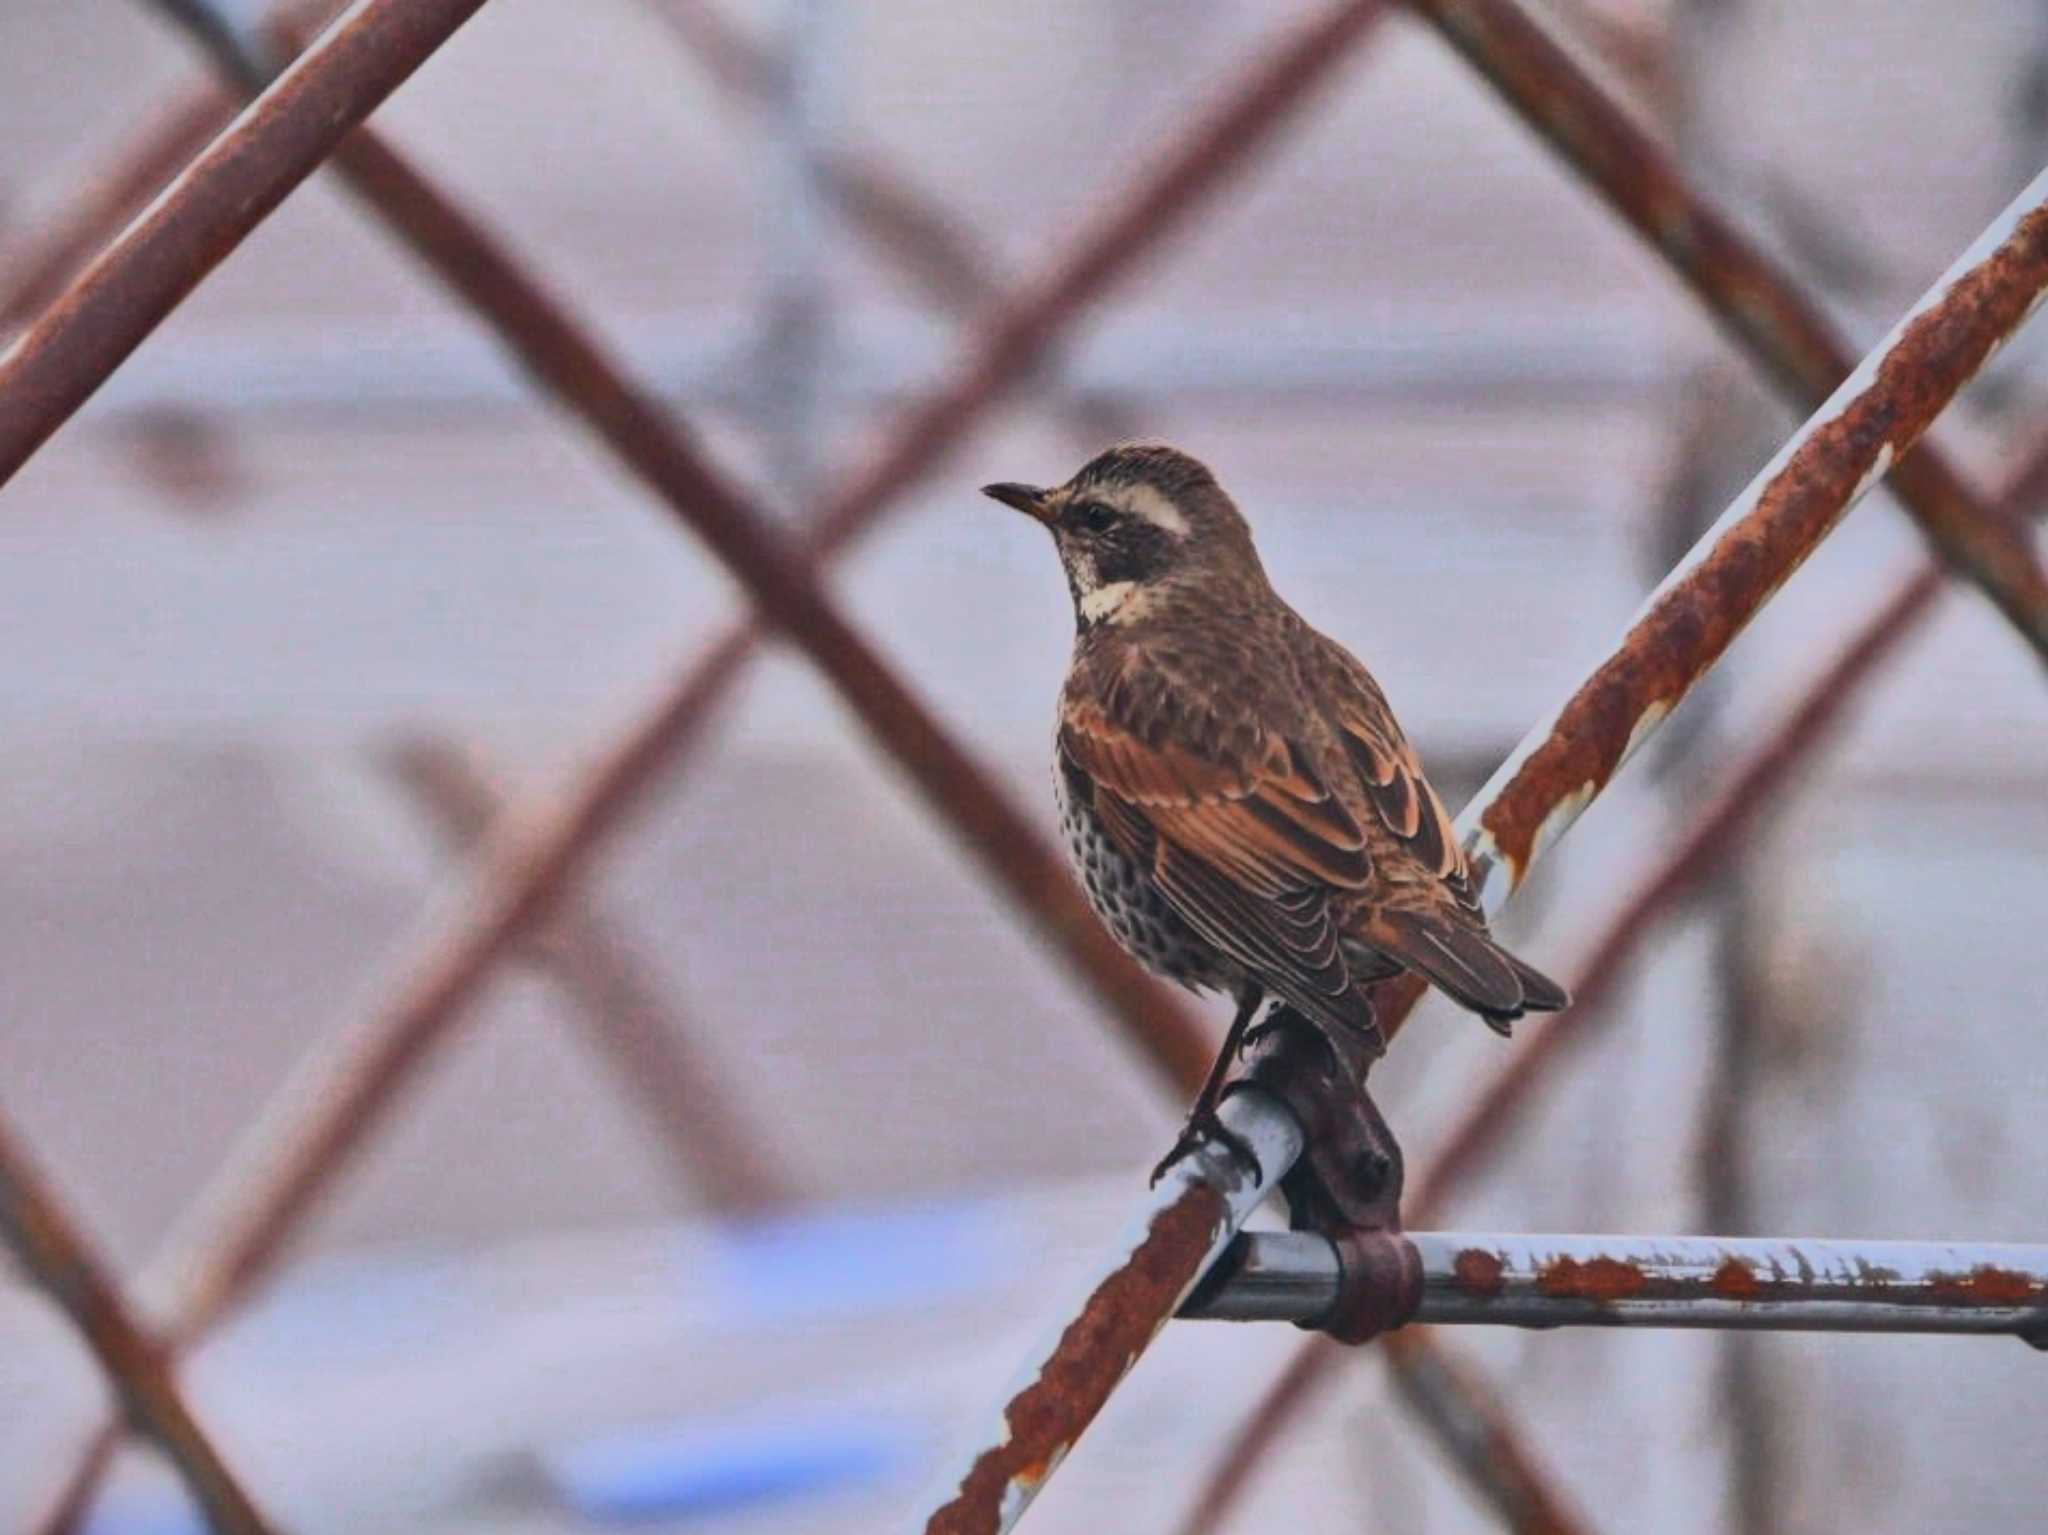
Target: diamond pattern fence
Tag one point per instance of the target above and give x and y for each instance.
(142, 241)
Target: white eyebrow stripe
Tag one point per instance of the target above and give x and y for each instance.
(1145, 502)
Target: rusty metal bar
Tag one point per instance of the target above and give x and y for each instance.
(1183, 1226)
(1729, 812)
(132, 285)
(60, 1259)
(113, 197)
(905, 224)
(1688, 622)
(528, 860)
(326, 1110)
(1872, 420)
(1759, 305)
(1454, 1402)
(1788, 1284)
(1746, 794)
(634, 1030)
(1470, 1419)
(1284, 1400)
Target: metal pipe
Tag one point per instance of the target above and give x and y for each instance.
(1183, 1225)
(1845, 448)
(1692, 617)
(1754, 787)
(1689, 621)
(1759, 304)
(1789, 1284)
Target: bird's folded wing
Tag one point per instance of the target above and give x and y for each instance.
(1392, 777)
(1249, 848)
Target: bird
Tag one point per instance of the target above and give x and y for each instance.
(1244, 811)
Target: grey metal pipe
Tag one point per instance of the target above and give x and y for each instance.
(1662, 1281)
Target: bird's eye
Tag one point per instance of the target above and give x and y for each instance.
(1096, 517)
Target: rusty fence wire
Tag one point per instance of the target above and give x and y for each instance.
(1873, 418)
(196, 183)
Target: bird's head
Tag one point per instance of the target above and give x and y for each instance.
(1133, 521)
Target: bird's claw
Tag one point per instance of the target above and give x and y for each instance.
(1282, 1017)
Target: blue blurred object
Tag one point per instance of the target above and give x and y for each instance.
(851, 1261)
(143, 1511)
(682, 1471)
(347, 1310)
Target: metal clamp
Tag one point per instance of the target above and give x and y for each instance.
(1346, 1185)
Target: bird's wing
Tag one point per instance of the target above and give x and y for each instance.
(1427, 914)
(1241, 833)
(1391, 775)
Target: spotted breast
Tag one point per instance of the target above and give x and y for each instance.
(1123, 896)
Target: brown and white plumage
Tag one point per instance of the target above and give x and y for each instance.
(1245, 809)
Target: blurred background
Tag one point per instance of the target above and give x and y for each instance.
(733, 1199)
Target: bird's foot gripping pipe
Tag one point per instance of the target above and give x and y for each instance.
(1346, 1185)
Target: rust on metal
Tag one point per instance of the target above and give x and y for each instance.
(1757, 302)
(1735, 1280)
(234, 184)
(1729, 812)
(1591, 1279)
(1689, 622)
(1479, 1271)
(1747, 793)
(1988, 1285)
(523, 868)
(1346, 1184)
(1112, 1328)
(531, 856)
(1029, 1470)
(1798, 500)
(55, 1252)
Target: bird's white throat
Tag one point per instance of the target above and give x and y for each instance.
(1103, 603)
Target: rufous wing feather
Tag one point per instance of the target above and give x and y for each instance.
(1249, 852)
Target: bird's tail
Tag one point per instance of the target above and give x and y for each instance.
(1467, 966)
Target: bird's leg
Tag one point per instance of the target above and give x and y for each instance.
(1203, 1123)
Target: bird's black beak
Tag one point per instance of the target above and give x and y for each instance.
(1028, 499)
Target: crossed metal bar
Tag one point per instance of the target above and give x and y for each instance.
(634, 1026)
(1731, 809)
(138, 279)
(59, 1258)
(353, 1103)
(146, 287)
(1875, 417)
